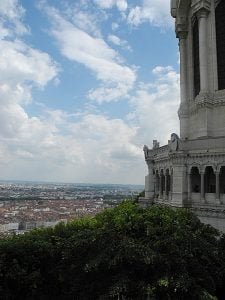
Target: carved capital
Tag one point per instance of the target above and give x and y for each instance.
(181, 27)
(181, 34)
(201, 7)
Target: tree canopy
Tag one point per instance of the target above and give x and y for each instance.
(126, 252)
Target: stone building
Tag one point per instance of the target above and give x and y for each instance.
(190, 170)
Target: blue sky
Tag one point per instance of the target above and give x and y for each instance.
(83, 86)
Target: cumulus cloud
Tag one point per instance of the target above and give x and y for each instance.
(21, 63)
(109, 147)
(56, 145)
(21, 68)
(116, 79)
(77, 146)
(156, 12)
(106, 4)
(155, 106)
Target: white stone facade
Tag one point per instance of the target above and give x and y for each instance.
(190, 170)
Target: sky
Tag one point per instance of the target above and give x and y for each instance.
(84, 85)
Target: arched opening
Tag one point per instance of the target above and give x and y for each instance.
(162, 183)
(167, 183)
(220, 43)
(195, 180)
(196, 61)
(222, 180)
(171, 184)
(157, 183)
(210, 180)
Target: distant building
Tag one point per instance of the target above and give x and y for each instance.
(190, 170)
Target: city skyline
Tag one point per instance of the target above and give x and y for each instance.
(83, 86)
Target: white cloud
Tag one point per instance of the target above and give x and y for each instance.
(80, 146)
(156, 12)
(82, 17)
(20, 63)
(119, 42)
(11, 13)
(106, 4)
(116, 78)
(57, 145)
(155, 106)
(114, 39)
(109, 148)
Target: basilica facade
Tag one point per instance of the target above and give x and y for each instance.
(190, 170)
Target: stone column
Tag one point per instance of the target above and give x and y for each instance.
(149, 182)
(203, 187)
(183, 110)
(218, 187)
(189, 187)
(202, 15)
(183, 65)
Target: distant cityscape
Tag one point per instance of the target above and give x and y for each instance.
(28, 205)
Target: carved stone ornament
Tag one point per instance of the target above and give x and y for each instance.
(146, 150)
(201, 5)
(155, 144)
(174, 142)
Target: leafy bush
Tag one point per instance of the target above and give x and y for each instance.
(127, 252)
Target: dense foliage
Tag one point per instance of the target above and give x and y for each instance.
(122, 253)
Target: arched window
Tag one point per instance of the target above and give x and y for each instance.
(168, 182)
(162, 183)
(157, 183)
(195, 180)
(220, 43)
(222, 180)
(196, 58)
(210, 180)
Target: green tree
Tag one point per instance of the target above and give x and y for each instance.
(127, 252)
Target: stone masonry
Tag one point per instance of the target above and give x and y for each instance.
(190, 170)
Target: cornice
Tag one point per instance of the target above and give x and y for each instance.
(214, 159)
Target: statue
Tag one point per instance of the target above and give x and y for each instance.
(146, 149)
(174, 142)
(155, 144)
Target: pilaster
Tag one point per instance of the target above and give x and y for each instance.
(149, 182)
(183, 112)
(179, 195)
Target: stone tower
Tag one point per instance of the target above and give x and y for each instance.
(190, 170)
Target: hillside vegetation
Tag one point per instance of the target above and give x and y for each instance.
(122, 253)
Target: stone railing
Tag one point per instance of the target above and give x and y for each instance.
(157, 151)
